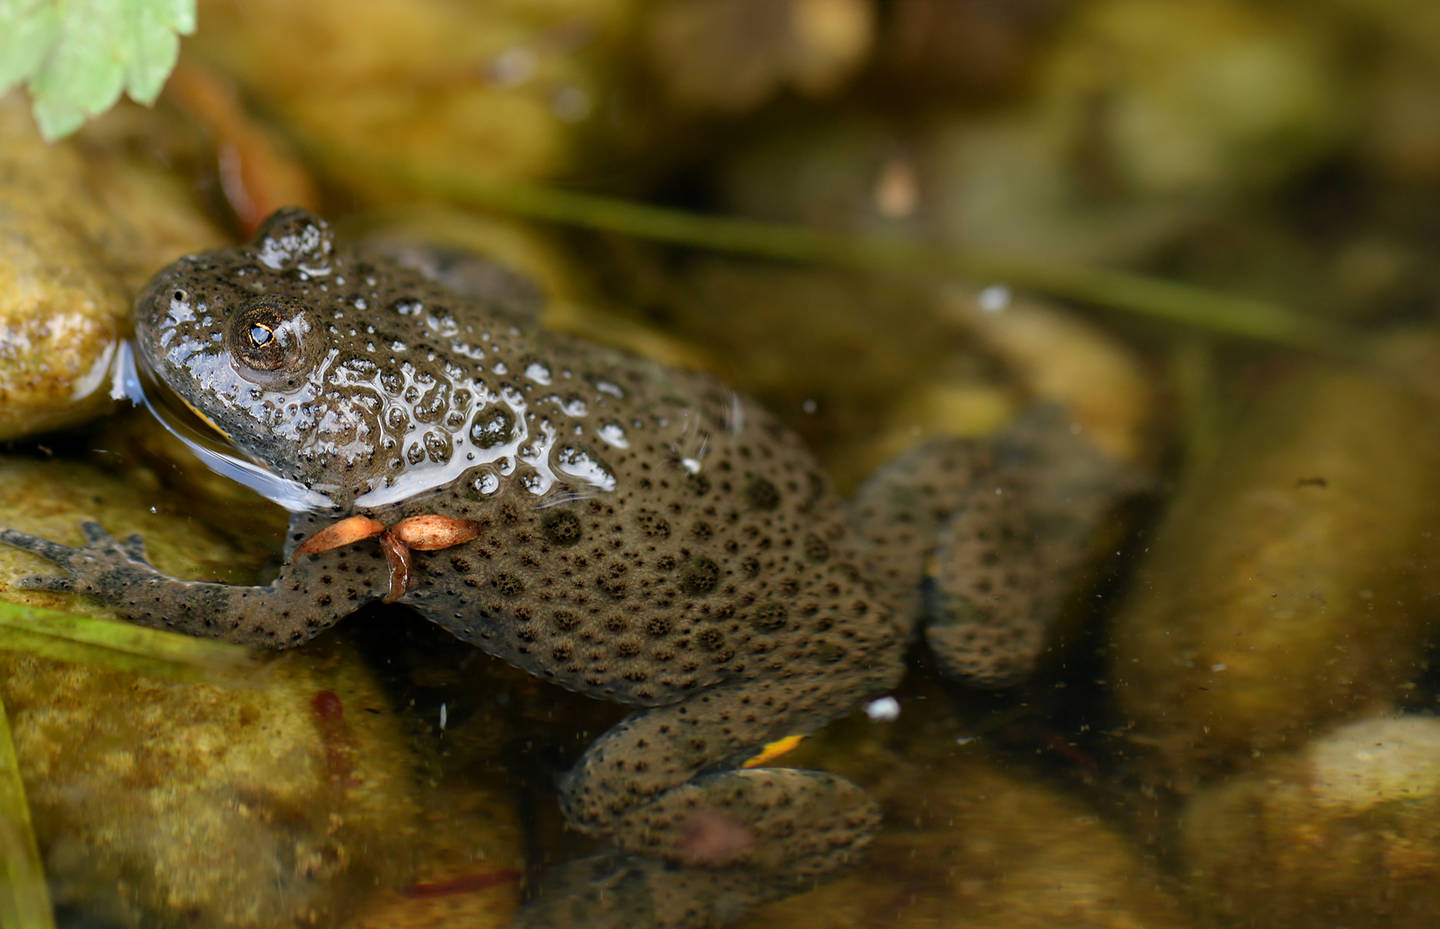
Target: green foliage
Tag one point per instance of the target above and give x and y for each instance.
(77, 56)
(122, 647)
(24, 898)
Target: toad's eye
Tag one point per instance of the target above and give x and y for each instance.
(270, 337)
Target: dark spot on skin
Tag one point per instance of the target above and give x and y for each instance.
(816, 549)
(562, 528)
(653, 525)
(699, 576)
(769, 617)
(762, 494)
(657, 626)
(507, 584)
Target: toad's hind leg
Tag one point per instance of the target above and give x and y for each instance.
(702, 838)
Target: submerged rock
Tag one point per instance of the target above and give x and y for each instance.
(285, 799)
(1289, 585)
(82, 225)
(507, 87)
(1345, 832)
(159, 803)
(970, 843)
(734, 55)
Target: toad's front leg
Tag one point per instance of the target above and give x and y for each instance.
(704, 832)
(310, 594)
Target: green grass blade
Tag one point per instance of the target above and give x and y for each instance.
(123, 646)
(1143, 296)
(24, 898)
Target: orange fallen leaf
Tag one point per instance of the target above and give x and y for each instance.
(430, 531)
(347, 531)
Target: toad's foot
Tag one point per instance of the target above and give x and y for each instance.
(117, 573)
(624, 891)
(991, 543)
(621, 891)
(697, 849)
(103, 563)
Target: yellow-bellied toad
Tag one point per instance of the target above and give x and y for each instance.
(636, 533)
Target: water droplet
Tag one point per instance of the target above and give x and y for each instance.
(994, 298)
(437, 447)
(579, 464)
(883, 709)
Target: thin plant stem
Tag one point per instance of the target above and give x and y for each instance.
(1143, 296)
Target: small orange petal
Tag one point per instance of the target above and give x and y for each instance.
(430, 531)
(345, 532)
(402, 565)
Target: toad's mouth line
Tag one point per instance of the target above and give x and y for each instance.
(201, 436)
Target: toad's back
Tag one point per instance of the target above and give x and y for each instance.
(679, 537)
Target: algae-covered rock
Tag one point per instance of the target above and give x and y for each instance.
(506, 86)
(82, 225)
(733, 55)
(950, 48)
(1145, 119)
(470, 847)
(1401, 132)
(284, 799)
(1287, 586)
(1211, 95)
(1344, 832)
(160, 803)
(969, 843)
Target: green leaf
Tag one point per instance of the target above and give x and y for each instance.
(24, 898)
(77, 56)
(123, 646)
(27, 30)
